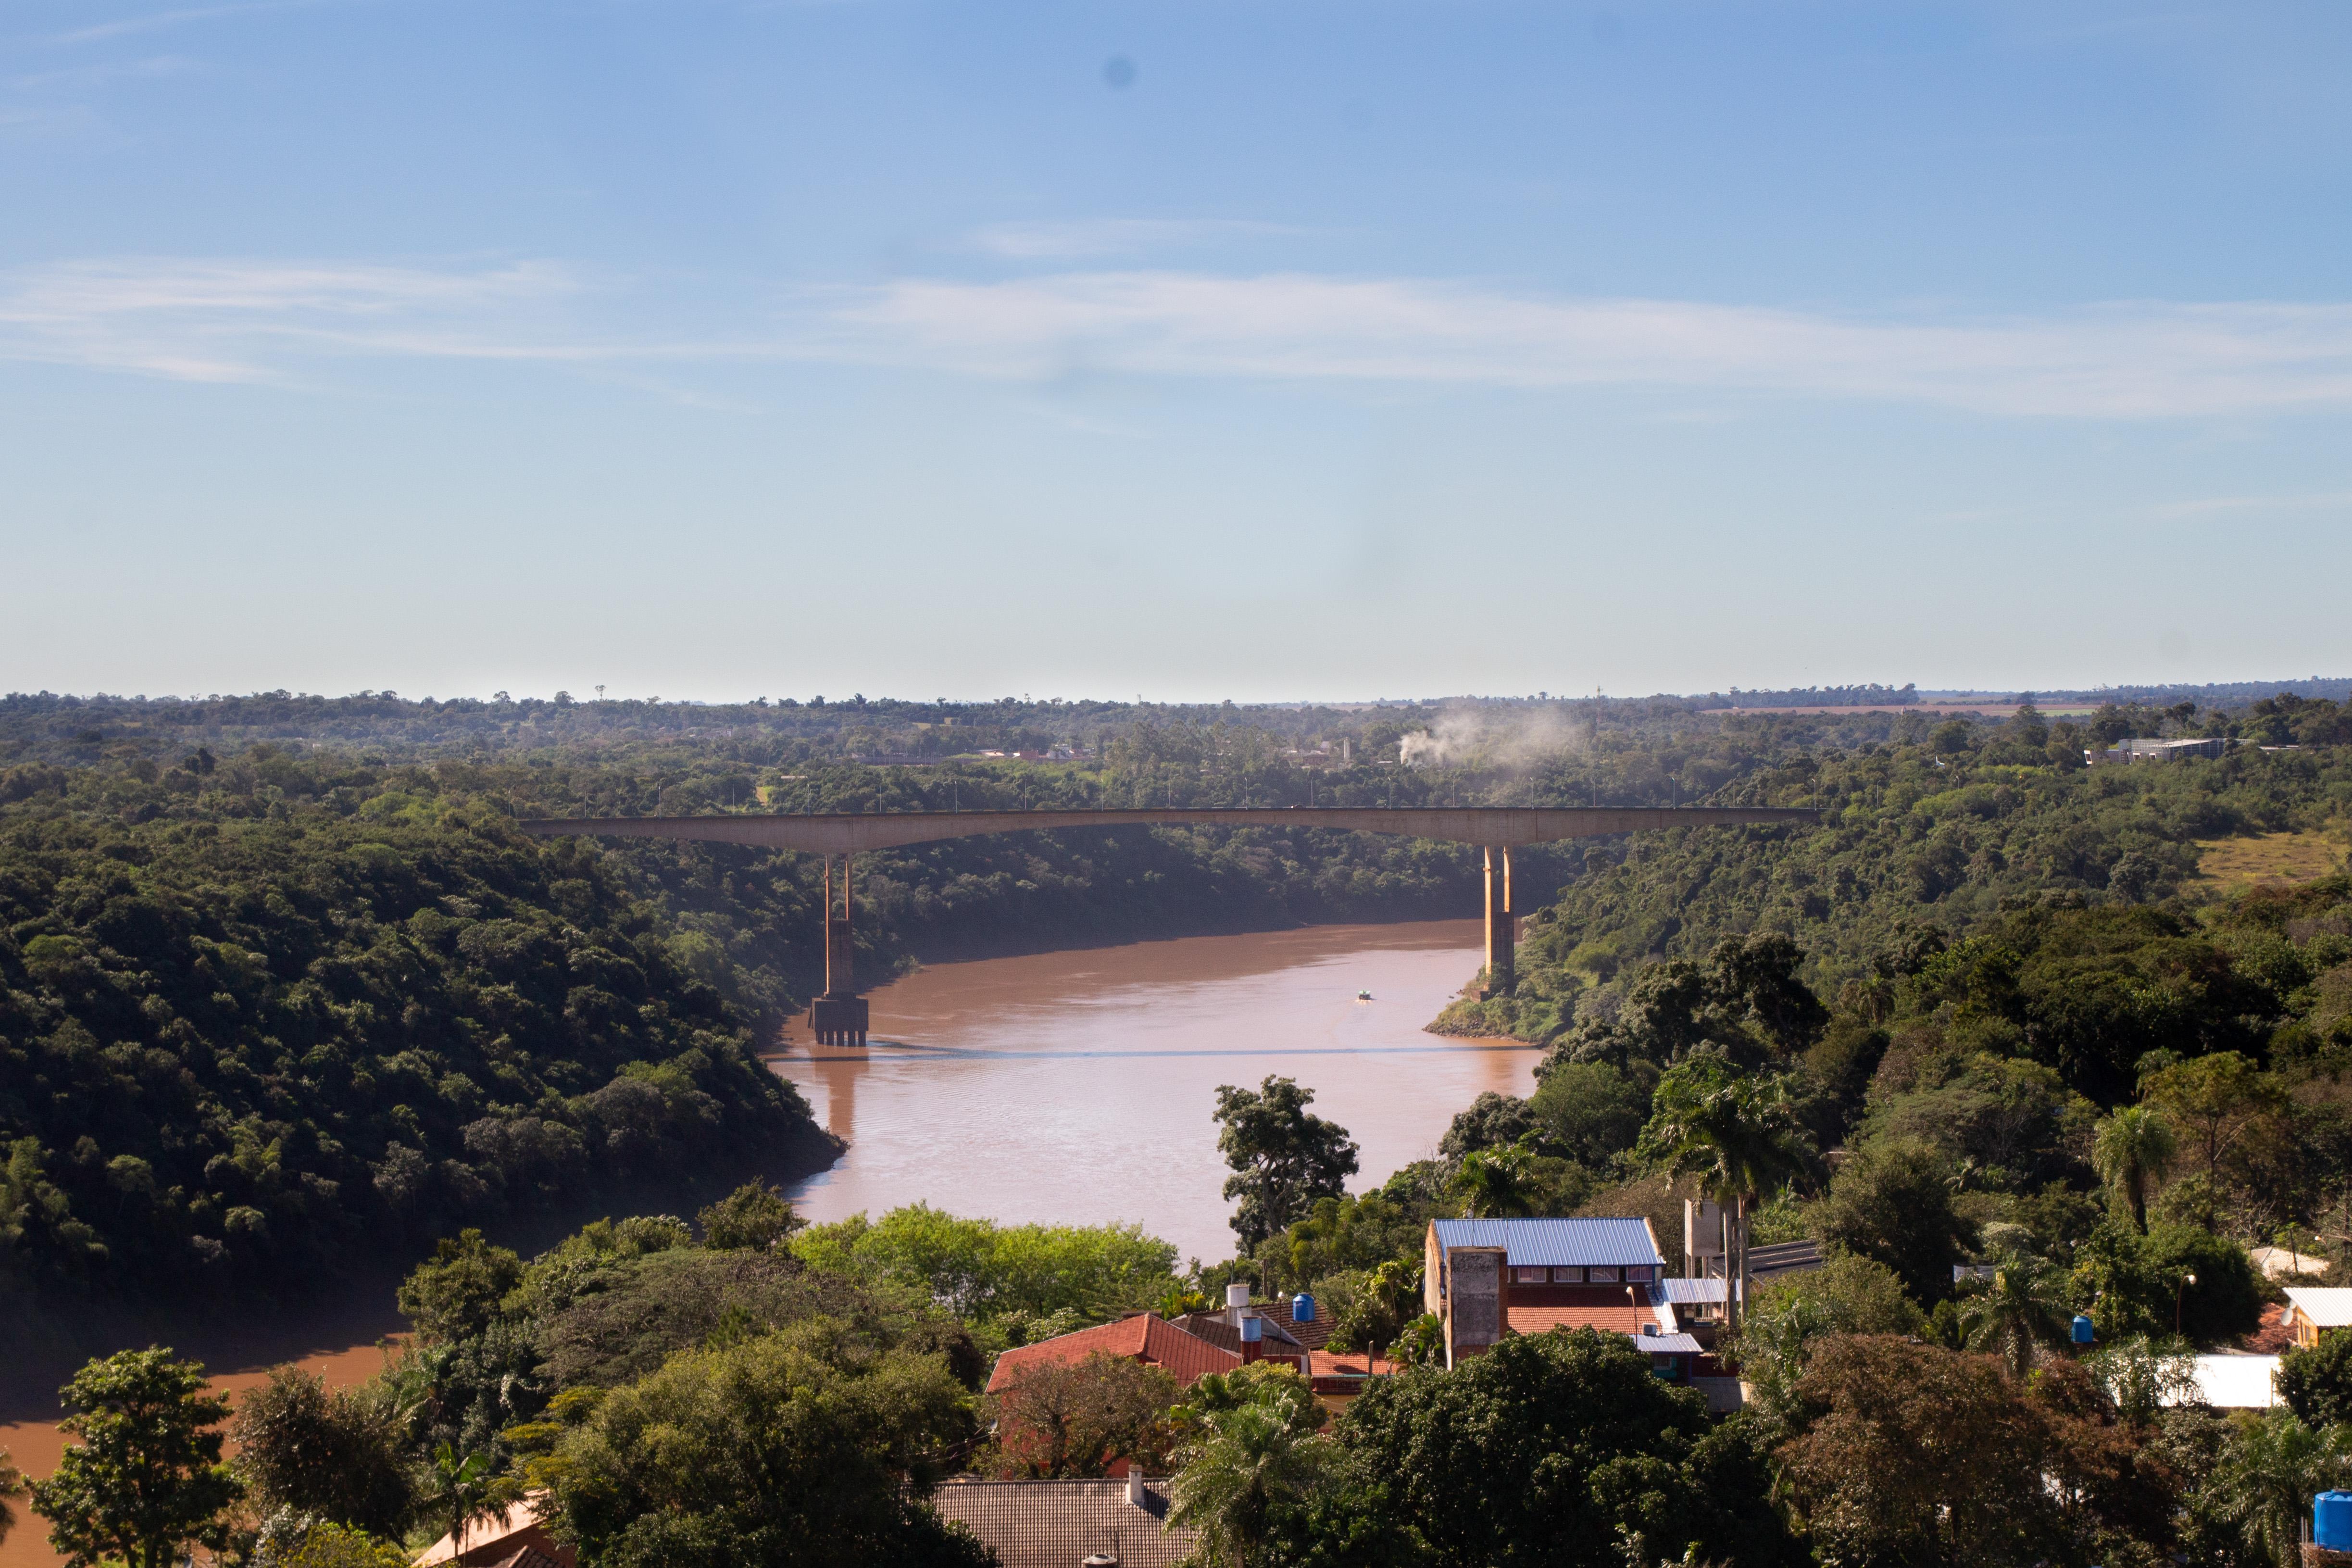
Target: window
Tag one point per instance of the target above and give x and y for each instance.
(1639, 1274)
(1528, 1276)
(1567, 1275)
(1601, 1276)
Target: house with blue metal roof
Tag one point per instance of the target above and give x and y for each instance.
(1487, 1277)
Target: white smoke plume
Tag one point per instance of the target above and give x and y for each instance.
(1494, 737)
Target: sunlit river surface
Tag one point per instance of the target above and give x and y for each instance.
(1079, 1086)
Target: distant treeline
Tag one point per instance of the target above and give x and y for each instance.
(1813, 697)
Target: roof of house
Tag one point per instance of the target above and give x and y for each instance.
(2235, 1381)
(1556, 1243)
(1783, 1258)
(1144, 1336)
(1623, 1317)
(1690, 1292)
(1666, 1344)
(1281, 1328)
(1345, 1363)
(1059, 1524)
(2328, 1307)
(496, 1540)
(530, 1556)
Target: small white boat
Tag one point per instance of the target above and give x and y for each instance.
(1364, 995)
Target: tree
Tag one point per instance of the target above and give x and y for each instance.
(12, 1487)
(1847, 1295)
(1078, 1419)
(2135, 1149)
(2216, 1098)
(144, 1476)
(460, 1490)
(1253, 1453)
(1910, 1453)
(2269, 1476)
(1494, 1120)
(2140, 1284)
(1733, 1131)
(978, 1268)
(331, 1456)
(454, 1295)
(2023, 1306)
(755, 1216)
(291, 1541)
(1284, 1157)
(1590, 1111)
(2140, 1379)
(1388, 1299)
(1892, 1200)
(791, 1449)
(1541, 1452)
(1500, 1184)
(2317, 1384)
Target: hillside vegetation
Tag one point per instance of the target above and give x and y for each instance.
(1951, 827)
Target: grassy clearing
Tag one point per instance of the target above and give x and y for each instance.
(2271, 857)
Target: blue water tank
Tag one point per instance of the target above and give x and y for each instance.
(2083, 1334)
(1253, 1330)
(1302, 1308)
(2331, 1521)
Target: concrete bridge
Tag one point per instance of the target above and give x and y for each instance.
(839, 1016)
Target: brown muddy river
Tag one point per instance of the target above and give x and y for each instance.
(1078, 1087)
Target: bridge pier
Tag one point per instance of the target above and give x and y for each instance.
(1502, 926)
(838, 1017)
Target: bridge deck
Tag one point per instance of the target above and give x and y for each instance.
(1492, 825)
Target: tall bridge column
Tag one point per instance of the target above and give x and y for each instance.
(838, 1017)
(1502, 926)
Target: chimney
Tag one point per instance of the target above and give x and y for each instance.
(1236, 1303)
(1135, 1494)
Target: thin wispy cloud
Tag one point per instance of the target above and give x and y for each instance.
(227, 320)
(2127, 360)
(155, 21)
(240, 321)
(1088, 239)
(114, 70)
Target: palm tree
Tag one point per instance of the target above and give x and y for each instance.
(1248, 1460)
(2024, 1307)
(2269, 1475)
(2135, 1149)
(460, 1491)
(1500, 1184)
(1736, 1132)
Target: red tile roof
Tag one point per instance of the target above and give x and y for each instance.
(1145, 1337)
(1333, 1363)
(1621, 1319)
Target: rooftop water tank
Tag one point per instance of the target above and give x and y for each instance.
(2083, 1334)
(1237, 1295)
(2331, 1521)
(1253, 1330)
(1302, 1308)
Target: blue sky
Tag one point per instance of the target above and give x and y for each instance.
(1194, 350)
